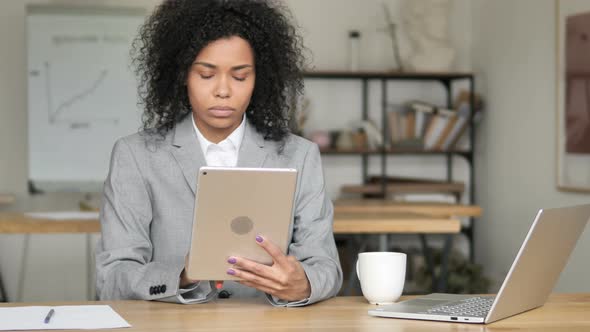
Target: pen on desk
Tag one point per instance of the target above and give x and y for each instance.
(49, 315)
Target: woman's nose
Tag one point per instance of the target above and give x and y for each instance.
(222, 90)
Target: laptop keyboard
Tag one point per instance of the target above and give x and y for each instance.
(474, 306)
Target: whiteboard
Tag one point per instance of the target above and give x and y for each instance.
(82, 92)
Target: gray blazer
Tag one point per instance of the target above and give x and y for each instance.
(147, 211)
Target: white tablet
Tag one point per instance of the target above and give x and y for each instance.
(232, 206)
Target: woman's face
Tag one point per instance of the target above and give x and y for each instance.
(220, 83)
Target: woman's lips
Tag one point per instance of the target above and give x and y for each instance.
(221, 111)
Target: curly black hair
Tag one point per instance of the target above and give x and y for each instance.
(171, 38)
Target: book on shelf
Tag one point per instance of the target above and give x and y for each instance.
(397, 123)
(404, 127)
(421, 125)
(424, 112)
(374, 135)
(410, 125)
(423, 117)
(446, 132)
(393, 119)
(438, 128)
(464, 112)
(459, 127)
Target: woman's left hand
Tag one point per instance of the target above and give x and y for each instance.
(284, 279)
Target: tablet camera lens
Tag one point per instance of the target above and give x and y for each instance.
(241, 225)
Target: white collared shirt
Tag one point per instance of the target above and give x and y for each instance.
(224, 153)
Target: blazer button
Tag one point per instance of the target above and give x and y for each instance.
(224, 294)
(163, 288)
(152, 290)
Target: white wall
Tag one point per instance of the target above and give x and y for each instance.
(514, 59)
(56, 266)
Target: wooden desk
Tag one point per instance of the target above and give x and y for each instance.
(382, 216)
(350, 218)
(20, 223)
(561, 313)
(392, 222)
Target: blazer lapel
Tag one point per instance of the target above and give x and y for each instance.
(187, 151)
(252, 152)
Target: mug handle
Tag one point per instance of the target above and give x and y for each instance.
(357, 270)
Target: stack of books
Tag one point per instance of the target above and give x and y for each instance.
(419, 124)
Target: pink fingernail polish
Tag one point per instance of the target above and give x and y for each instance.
(232, 260)
(259, 239)
(231, 272)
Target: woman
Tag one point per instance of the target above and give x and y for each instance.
(216, 81)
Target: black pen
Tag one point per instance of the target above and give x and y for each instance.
(49, 315)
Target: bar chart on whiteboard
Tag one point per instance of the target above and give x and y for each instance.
(82, 92)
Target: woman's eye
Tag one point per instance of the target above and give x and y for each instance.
(241, 79)
(206, 77)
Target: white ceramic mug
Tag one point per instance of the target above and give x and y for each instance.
(382, 276)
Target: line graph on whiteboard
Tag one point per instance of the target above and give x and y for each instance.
(72, 108)
(82, 91)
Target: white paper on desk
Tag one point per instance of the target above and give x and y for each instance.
(63, 215)
(64, 318)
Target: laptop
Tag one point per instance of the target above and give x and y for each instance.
(232, 206)
(533, 274)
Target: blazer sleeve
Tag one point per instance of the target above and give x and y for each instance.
(124, 266)
(313, 238)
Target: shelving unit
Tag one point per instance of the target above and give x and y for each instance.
(446, 79)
